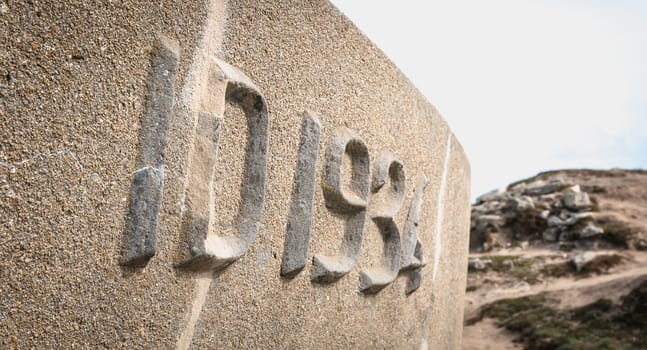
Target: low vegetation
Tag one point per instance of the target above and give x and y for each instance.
(600, 325)
(617, 233)
(600, 264)
(526, 223)
(522, 269)
(534, 270)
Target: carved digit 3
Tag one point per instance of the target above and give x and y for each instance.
(210, 251)
(385, 204)
(349, 199)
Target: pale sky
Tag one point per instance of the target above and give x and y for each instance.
(526, 86)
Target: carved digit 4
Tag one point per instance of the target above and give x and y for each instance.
(349, 199)
(412, 260)
(209, 251)
(386, 203)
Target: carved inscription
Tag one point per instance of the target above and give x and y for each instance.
(297, 236)
(148, 180)
(210, 251)
(348, 197)
(388, 194)
(346, 185)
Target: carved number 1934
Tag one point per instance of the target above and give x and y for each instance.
(345, 194)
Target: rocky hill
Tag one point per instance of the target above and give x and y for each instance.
(559, 261)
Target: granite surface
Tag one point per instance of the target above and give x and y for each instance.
(74, 84)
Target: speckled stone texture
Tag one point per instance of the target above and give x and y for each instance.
(73, 89)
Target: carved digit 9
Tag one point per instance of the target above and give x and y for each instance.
(349, 199)
(385, 204)
(210, 251)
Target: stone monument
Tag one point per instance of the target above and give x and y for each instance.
(221, 174)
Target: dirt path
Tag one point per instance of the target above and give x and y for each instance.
(517, 252)
(485, 335)
(570, 291)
